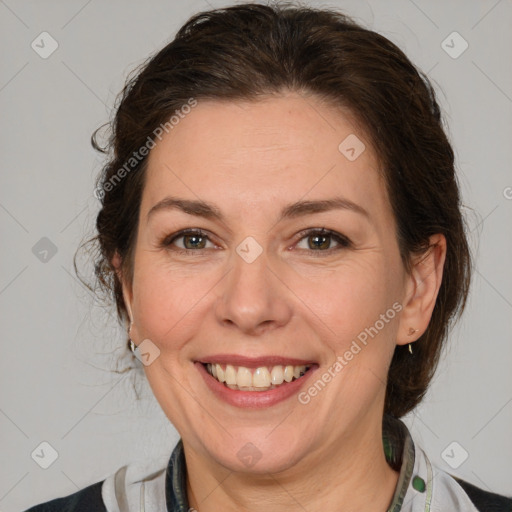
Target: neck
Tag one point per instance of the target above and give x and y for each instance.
(345, 475)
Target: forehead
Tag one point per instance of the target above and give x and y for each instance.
(264, 153)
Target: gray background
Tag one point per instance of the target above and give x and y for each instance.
(58, 343)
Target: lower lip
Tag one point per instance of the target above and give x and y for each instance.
(254, 399)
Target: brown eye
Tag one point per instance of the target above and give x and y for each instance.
(187, 241)
(194, 241)
(322, 241)
(319, 241)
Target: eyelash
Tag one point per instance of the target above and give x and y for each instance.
(342, 240)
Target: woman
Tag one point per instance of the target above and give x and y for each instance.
(280, 229)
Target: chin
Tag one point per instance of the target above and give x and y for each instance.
(260, 453)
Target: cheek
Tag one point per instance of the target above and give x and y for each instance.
(167, 299)
(353, 303)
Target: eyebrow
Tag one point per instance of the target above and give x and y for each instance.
(209, 211)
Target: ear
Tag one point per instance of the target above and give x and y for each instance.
(422, 288)
(127, 290)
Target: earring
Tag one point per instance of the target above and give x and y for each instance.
(133, 347)
(410, 333)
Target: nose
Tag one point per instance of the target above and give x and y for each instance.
(253, 299)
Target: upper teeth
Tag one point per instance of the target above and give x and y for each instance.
(261, 378)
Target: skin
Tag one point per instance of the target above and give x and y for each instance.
(251, 159)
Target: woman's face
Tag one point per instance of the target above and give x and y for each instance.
(260, 288)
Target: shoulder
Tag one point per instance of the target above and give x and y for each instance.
(84, 500)
(426, 486)
(450, 493)
(121, 490)
(485, 500)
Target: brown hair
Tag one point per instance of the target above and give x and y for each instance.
(250, 50)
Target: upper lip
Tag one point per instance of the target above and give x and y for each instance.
(254, 362)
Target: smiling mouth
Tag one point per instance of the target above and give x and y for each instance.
(263, 378)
